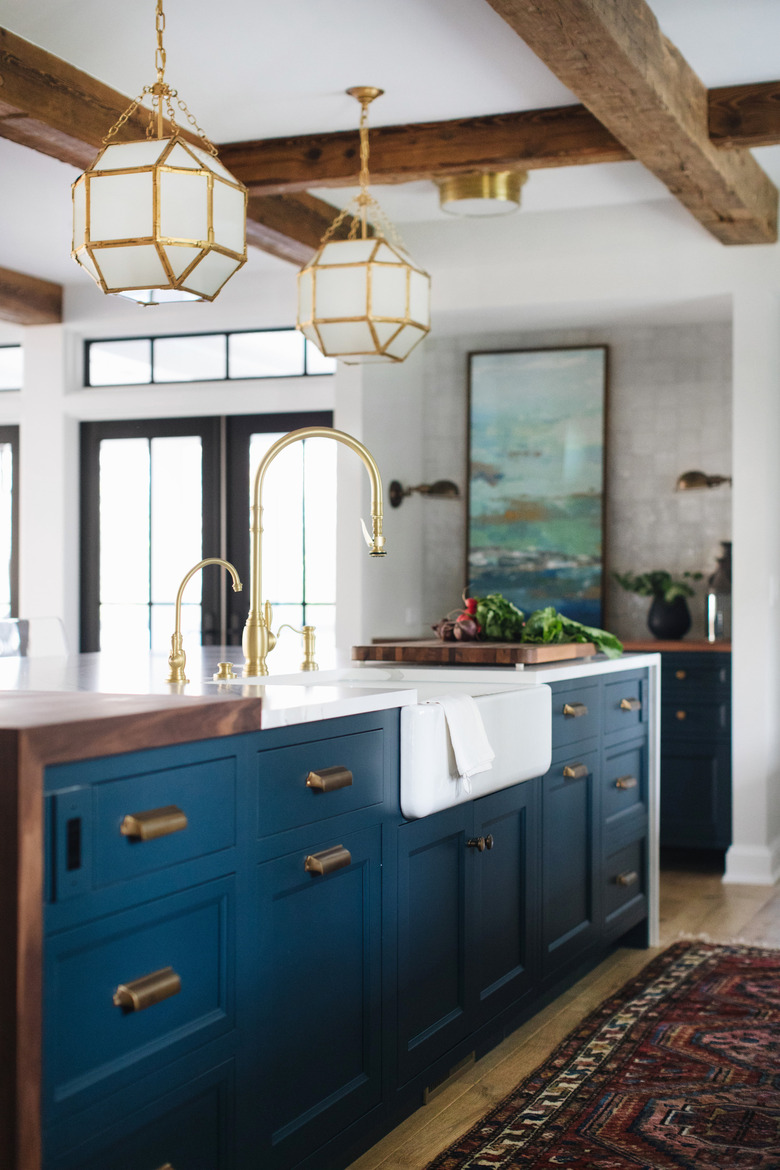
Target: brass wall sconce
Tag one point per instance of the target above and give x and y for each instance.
(693, 480)
(442, 489)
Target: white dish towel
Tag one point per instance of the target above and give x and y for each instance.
(470, 744)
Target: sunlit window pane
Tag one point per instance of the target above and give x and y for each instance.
(320, 539)
(124, 628)
(317, 363)
(274, 353)
(323, 618)
(6, 527)
(189, 359)
(282, 519)
(120, 363)
(177, 509)
(124, 521)
(11, 367)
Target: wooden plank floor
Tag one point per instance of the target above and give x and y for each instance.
(693, 903)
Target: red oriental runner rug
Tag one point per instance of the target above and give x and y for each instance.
(680, 1069)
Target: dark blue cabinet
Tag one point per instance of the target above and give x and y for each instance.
(467, 899)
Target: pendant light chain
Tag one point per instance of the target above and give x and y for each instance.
(161, 91)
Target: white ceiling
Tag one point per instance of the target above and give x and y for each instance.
(256, 68)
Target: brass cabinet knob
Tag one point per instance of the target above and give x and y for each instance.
(575, 771)
(155, 822)
(328, 861)
(142, 993)
(481, 843)
(681, 674)
(630, 704)
(574, 710)
(626, 782)
(629, 878)
(328, 779)
(681, 715)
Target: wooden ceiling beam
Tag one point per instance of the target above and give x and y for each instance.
(27, 300)
(745, 115)
(614, 57)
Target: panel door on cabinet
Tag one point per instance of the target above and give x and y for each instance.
(696, 794)
(569, 852)
(317, 1053)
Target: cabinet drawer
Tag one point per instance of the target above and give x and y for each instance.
(624, 778)
(189, 1128)
(705, 672)
(576, 713)
(93, 1045)
(696, 718)
(625, 703)
(353, 768)
(625, 880)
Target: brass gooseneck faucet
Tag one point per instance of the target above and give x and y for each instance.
(258, 640)
(177, 659)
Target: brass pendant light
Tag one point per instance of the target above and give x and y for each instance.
(160, 219)
(363, 299)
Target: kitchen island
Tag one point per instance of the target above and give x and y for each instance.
(281, 982)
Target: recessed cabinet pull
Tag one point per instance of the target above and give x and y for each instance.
(574, 710)
(575, 771)
(328, 779)
(481, 843)
(630, 704)
(681, 674)
(148, 990)
(155, 822)
(626, 782)
(681, 715)
(328, 860)
(629, 878)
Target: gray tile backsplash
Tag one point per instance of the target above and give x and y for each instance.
(669, 411)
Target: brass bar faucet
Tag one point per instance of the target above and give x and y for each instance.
(258, 640)
(177, 659)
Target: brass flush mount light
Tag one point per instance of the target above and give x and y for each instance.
(159, 219)
(477, 194)
(693, 480)
(364, 299)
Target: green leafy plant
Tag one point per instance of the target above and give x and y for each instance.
(547, 626)
(500, 619)
(657, 583)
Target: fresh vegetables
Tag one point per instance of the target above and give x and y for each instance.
(495, 619)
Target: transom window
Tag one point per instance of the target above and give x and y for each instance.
(202, 357)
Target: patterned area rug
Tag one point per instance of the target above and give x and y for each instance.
(680, 1069)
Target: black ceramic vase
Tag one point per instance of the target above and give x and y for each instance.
(669, 619)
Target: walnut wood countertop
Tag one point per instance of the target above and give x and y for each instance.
(685, 645)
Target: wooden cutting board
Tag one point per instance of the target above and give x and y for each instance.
(434, 652)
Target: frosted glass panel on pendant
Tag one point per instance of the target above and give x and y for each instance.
(305, 295)
(180, 257)
(346, 252)
(419, 298)
(228, 213)
(340, 292)
(131, 267)
(121, 207)
(388, 290)
(79, 210)
(212, 162)
(181, 157)
(124, 521)
(349, 337)
(385, 330)
(211, 272)
(403, 345)
(124, 155)
(184, 206)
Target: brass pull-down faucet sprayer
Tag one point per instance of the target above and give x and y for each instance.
(259, 640)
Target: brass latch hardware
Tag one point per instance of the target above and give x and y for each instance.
(630, 705)
(148, 990)
(328, 860)
(481, 843)
(328, 779)
(626, 782)
(155, 822)
(681, 674)
(574, 710)
(629, 878)
(681, 715)
(575, 771)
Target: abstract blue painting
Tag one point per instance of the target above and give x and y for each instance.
(536, 478)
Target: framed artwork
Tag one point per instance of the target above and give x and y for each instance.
(536, 478)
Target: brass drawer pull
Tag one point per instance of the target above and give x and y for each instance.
(681, 715)
(630, 704)
(481, 843)
(575, 771)
(629, 878)
(574, 710)
(681, 674)
(329, 779)
(148, 990)
(167, 1166)
(156, 822)
(328, 861)
(626, 782)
